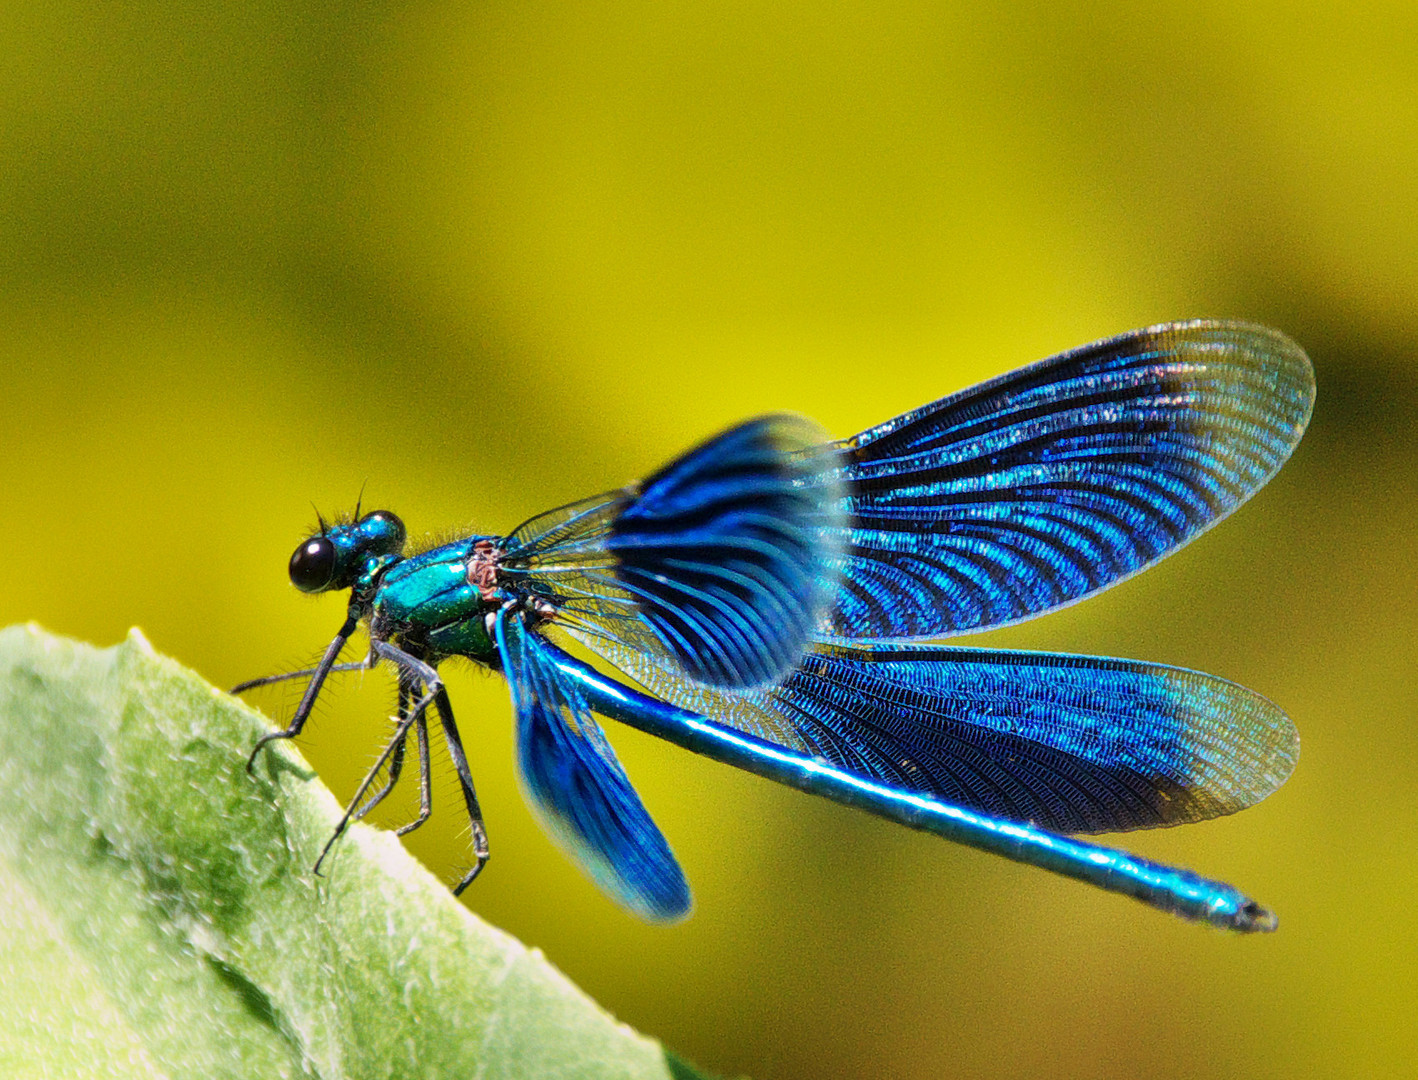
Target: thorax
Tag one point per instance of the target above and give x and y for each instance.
(438, 598)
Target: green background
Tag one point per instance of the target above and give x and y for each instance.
(489, 258)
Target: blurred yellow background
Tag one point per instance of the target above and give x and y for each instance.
(489, 258)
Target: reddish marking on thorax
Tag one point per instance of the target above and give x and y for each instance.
(482, 568)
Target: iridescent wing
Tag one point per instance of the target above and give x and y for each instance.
(1040, 487)
(1167, 888)
(578, 789)
(723, 563)
(1073, 744)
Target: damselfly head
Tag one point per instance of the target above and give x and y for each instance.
(337, 555)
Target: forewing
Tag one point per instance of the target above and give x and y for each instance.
(724, 563)
(1074, 744)
(1045, 485)
(577, 787)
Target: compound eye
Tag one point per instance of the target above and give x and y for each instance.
(388, 530)
(313, 564)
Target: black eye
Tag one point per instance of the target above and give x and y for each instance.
(313, 564)
(385, 532)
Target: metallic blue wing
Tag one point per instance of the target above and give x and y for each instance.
(1040, 487)
(1074, 744)
(577, 787)
(1165, 887)
(724, 562)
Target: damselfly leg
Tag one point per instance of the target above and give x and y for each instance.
(312, 690)
(438, 695)
(356, 808)
(407, 690)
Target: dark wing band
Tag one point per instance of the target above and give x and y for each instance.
(724, 563)
(1074, 744)
(1038, 488)
(574, 782)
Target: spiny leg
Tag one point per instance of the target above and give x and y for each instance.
(465, 779)
(267, 680)
(425, 780)
(408, 663)
(312, 691)
(433, 685)
(439, 696)
(396, 760)
(395, 743)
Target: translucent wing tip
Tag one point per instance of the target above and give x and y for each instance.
(1235, 747)
(1270, 364)
(1280, 746)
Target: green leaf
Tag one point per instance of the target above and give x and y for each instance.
(158, 916)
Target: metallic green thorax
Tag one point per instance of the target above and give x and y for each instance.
(429, 601)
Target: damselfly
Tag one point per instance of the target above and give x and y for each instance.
(767, 588)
